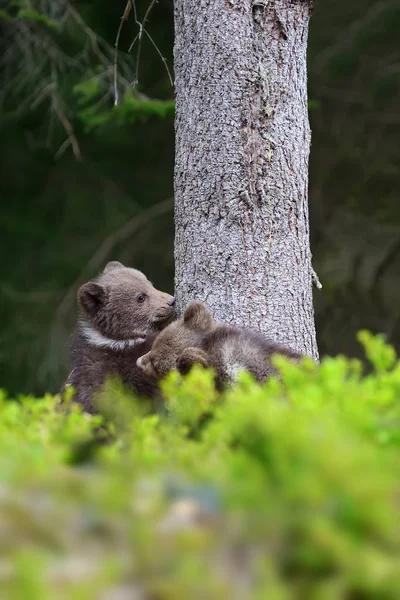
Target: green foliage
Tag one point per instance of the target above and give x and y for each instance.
(34, 15)
(93, 114)
(5, 16)
(313, 105)
(133, 109)
(286, 490)
(22, 9)
(87, 91)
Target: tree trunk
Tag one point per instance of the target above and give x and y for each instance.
(241, 173)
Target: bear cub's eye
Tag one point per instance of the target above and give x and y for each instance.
(141, 298)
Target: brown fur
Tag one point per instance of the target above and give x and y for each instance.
(122, 306)
(197, 338)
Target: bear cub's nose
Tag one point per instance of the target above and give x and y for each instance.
(172, 302)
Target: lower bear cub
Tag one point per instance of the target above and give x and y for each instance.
(197, 339)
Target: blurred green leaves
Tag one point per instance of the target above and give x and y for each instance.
(290, 488)
(130, 110)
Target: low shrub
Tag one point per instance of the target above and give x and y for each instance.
(286, 490)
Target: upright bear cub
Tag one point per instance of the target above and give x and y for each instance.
(121, 313)
(197, 338)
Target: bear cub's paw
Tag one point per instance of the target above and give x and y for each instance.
(190, 357)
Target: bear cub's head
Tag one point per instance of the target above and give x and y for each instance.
(122, 303)
(176, 347)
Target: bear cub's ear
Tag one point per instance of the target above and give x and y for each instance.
(197, 316)
(114, 264)
(91, 297)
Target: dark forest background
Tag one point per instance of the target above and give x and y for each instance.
(82, 182)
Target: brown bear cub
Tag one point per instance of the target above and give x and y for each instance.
(121, 314)
(197, 338)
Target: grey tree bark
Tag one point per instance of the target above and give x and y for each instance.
(241, 171)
